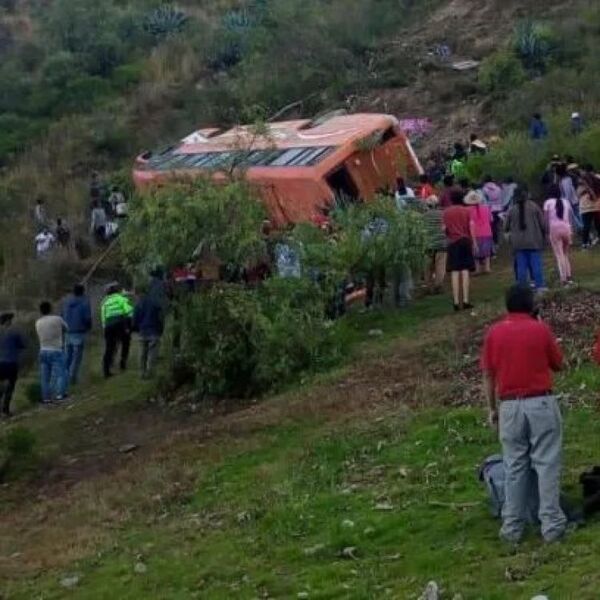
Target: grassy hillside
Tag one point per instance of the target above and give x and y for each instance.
(86, 85)
(361, 484)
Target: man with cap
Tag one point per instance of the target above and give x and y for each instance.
(576, 123)
(12, 345)
(116, 315)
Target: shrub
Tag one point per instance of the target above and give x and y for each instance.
(170, 224)
(501, 72)
(238, 342)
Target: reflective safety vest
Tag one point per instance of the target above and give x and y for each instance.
(114, 308)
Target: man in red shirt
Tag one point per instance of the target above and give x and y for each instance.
(519, 356)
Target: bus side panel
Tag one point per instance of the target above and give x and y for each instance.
(294, 200)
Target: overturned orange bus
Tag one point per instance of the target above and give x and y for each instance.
(297, 166)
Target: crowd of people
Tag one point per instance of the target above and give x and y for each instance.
(62, 337)
(469, 221)
(108, 207)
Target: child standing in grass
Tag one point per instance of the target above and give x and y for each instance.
(558, 219)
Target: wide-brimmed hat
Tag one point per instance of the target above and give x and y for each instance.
(109, 287)
(473, 198)
(573, 167)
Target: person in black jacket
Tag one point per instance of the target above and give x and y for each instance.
(11, 346)
(149, 322)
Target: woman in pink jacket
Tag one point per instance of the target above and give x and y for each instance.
(481, 216)
(559, 215)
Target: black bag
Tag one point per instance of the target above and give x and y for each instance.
(590, 481)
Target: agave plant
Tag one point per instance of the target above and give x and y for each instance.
(165, 21)
(534, 44)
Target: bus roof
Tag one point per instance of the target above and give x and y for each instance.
(299, 143)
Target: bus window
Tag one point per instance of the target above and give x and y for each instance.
(342, 184)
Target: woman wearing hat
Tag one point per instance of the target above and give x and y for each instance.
(481, 216)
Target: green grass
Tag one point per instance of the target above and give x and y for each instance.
(278, 519)
(272, 508)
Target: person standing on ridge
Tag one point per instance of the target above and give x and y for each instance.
(77, 314)
(12, 345)
(51, 330)
(116, 313)
(519, 356)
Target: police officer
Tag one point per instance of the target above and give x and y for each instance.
(116, 315)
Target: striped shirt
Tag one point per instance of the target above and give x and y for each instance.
(435, 230)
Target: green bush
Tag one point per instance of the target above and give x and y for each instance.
(239, 343)
(126, 77)
(170, 224)
(501, 72)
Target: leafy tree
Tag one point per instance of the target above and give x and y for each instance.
(169, 225)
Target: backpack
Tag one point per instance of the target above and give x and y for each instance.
(590, 481)
(491, 473)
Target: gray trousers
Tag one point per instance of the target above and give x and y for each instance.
(149, 354)
(531, 436)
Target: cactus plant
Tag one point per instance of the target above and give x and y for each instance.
(534, 44)
(165, 21)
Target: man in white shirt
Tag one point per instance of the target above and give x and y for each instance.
(44, 241)
(51, 330)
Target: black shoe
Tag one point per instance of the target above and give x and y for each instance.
(468, 306)
(457, 308)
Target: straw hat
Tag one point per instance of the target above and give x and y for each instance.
(473, 198)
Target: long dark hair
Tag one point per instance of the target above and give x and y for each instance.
(554, 193)
(520, 197)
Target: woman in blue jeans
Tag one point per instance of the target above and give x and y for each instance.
(527, 229)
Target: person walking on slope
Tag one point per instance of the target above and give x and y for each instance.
(460, 235)
(538, 130)
(558, 222)
(526, 226)
(569, 193)
(116, 313)
(77, 314)
(481, 217)
(148, 321)
(12, 345)
(51, 330)
(588, 192)
(437, 255)
(494, 199)
(519, 355)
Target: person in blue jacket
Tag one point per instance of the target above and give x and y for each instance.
(77, 314)
(149, 323)
(538, 129)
